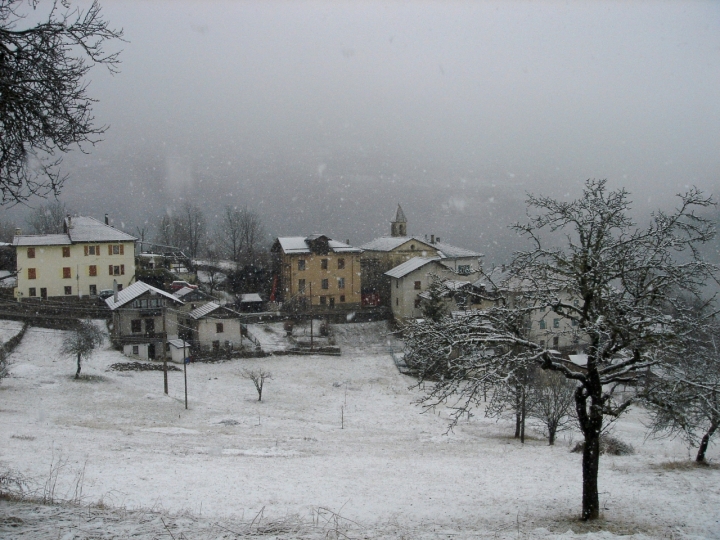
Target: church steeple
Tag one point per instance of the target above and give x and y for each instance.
(399, 226)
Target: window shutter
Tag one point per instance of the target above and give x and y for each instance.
(86, 251)
(111, 270)
(110, 251)
(122, 250)
(122, 269)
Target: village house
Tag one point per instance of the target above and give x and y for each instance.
(212, 327)
(143, 318)
(387, 252)
(317, 272)
(88, 257)
(410, 281)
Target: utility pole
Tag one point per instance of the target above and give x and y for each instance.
(185, 361)
(311, 319)
(165, 377)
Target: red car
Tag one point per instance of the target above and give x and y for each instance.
(177, 285)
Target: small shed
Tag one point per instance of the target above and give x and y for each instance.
(179, 350)
(251, 302)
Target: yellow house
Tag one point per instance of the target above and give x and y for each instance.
(317, 271)
(86, 259)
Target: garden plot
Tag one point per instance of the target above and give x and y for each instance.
(334, 433)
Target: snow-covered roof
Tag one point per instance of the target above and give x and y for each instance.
(131, 292)
(413, 264)
(299, 244)
(178, 343)
(87, 229)
(204, 310)
(42, 240)
(389, 243)
(182, 292)
(250, 297)
(81, 229)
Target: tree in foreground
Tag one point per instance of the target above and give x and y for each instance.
(258, 377)
(44, 107)
(81, 343)
(625, 278)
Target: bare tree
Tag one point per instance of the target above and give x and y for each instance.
(511, 394)
(552, 397)
(684, 398)
(81, 342)
(230, 235)
(4, 364)
(624, 277)
(191, 222)
(258, 377)
(44, 106)
(7, 230)
(48, 218)
(252, 231)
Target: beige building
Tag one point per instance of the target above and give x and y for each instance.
(410, 281)
(317, 272)
(84, 260)
(212, 327)
(382, 254)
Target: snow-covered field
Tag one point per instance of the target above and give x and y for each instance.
(335, 433)
(9, 329)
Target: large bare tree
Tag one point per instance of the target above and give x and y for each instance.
(626, 279)
(45, 110)
(48, 218)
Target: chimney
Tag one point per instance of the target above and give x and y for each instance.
(107, 219)
(437, 240)
(432, 238)
(115, 291)
(67, 223)
(18, 232)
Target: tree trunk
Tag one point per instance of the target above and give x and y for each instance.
(522, 421)
(590, 466)
(552, 429)
(518, 414)
(259, 389)
(704, 443)
(77, 373)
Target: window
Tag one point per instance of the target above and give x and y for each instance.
(136, 326)
(418, 286)
(119, 287)
(150, 326)
(464, 269)
(136, 350)
(341, 283)
(43, 293)
(576, 303)
(116, 270)
(92, 250)
(219, 328)
(93, 290)
(412, 247)
(93, 270)
(324, 264)
(301, 285)
(323, 300)
(556, 323)
(66, 251)
(332, 301)
(32, 273)
(574, 322)
(342, 298)
(301, 264)
(417, 302)
(341, 264)
(68, 290)
(67, 272)
(542, 324)
(556, 342)
(325, 284)
(31, 253)
(216, 345)
(116, 249)
(397, 301)
(32, 291)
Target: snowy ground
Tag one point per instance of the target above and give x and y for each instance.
(9, 329)
(389, 468)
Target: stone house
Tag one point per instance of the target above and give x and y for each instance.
(316, 272)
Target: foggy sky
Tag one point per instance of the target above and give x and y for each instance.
(324, 115)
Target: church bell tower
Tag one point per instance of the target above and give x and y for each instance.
(398, 227)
